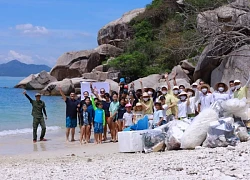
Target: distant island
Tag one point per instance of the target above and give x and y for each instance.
(16, 68)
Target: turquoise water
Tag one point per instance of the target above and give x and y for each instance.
(15, 109)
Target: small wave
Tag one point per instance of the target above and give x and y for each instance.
(27, 130)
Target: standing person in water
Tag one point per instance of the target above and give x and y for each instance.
(71, 114)
(38, 108)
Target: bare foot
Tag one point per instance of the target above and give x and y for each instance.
(72, 140)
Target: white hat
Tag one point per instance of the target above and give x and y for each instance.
(194, 84)
(145, 94)
(236, 81)
(164, 86)
(183, 93)
(176, 87)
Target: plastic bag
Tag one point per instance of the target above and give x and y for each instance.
(197, 131)
(241, 131)
(174, 134)
(153, 141)
(220, 134)
(218, 108)
(235, 107)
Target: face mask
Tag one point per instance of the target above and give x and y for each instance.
(221, 89)
(150, 92)
(190, 94)
(194, 89)
(204, 90)
(164, 92)
(238, 86)
(232, 88)
(183, 98)
(176, 91)
(145, 99)
(180, 90)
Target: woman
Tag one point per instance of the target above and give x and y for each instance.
(220, 93)
(113, 109)
(147, 104)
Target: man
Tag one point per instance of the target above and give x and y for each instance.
(241, 92)
(71, 114)
(206, 98)
(38, 108)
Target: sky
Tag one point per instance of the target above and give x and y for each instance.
(39, 31)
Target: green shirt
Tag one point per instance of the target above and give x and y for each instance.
(241, 93)
(37, 107)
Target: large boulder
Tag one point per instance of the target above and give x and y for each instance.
(37, 81)
(109, 50)
(180, 74)
(53, 88)
(149, 81)
(235, 66)
(119, 30)
(224, 18)
(74, 64)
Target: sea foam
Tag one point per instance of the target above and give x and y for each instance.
(27, 130)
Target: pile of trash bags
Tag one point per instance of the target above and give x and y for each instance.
(221, 125)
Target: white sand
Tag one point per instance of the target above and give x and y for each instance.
(104, 162)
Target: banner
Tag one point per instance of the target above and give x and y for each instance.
(85, 86)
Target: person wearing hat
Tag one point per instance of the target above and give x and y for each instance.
(138, 112)
(147, 104)
(231, 89)
(220, 93)
(241, 92)
(183, 104)
(206, 98)
(194, 86)
(193, 102)
(38, 109)
(128, 117)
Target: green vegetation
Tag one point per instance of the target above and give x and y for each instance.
(163, 35)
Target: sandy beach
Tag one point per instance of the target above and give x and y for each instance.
(75, 161)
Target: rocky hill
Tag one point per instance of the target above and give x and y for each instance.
(16, 68)
(205, 39)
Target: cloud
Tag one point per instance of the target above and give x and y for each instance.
(31, 29)
(18, 56)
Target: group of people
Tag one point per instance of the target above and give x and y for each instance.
(118, 110)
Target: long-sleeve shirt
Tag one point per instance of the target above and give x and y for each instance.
(99, 113)
(38, 107)
(206, 100)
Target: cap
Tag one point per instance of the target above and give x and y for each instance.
(237, 81)
(122, 80)
(183, 93)
(145, 94)
(128, 105)
(37, 94)
(125, 86)
(176, 87)
(164, 86)
(194, 84)
(138, 104)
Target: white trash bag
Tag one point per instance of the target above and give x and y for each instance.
(235, 107)
(197, 131)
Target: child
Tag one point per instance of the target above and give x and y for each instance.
(158, 116)
(183, 105)
(121, 111)
(99, 120)
(164, 109)
(128, 117)
(113, 109)
(85, 124)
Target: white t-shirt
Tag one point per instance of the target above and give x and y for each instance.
(206, 100)
(164, 111)
(128, 118)
(182, 109)
(157, 115)
(192, 106)
(220, 96)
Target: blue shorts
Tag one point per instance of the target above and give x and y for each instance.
(98, 128)
(71, 122)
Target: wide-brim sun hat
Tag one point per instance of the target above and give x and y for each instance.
(217, 86)
(138, 104)
(176, 87)
(183, 93)
(145, 94)
(205, 86)
(189, 89)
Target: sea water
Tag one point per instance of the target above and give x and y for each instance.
(15, 110)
